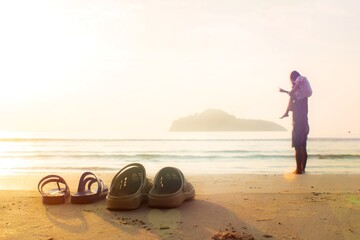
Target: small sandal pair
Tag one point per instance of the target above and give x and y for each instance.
(85, 193)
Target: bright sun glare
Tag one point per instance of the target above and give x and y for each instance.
(8, 163)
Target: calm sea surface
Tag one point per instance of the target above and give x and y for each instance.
(196, 153)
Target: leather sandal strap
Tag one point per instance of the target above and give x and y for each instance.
(51, 178)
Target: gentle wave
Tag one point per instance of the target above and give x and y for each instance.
(135, 140)
(169, 139)
(144, 156)
(67, 153)
(336, 156)
(209, 155)
(179, 156)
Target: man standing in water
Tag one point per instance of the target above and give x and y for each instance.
(299, 94)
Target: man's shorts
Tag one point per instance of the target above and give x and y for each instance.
(299, 137)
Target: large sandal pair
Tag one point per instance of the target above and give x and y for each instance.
(130, 187)
(85, 193)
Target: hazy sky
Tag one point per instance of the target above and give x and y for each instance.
(135, 66)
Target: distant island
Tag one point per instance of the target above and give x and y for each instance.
(213, 120)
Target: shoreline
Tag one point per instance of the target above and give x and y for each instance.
(211, 183)
(264, 206)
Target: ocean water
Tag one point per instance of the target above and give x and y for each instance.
(192, 153)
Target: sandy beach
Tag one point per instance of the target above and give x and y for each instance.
(246, 206)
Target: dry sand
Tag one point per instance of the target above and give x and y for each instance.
(239, 206)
